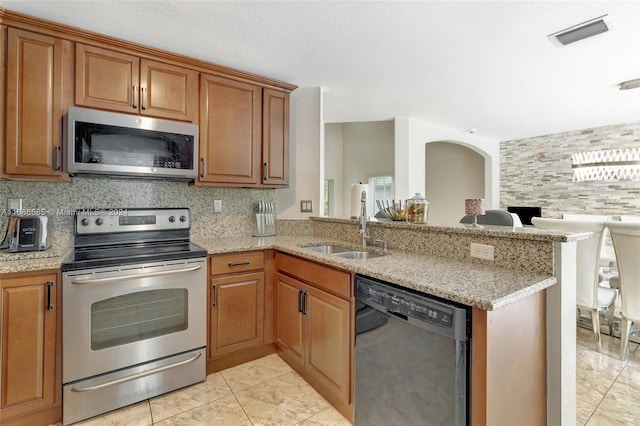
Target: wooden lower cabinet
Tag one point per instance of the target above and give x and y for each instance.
(315, 328)
(237, 310)
(30, 340)
(240, 315)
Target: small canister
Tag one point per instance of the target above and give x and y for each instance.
(417, 209)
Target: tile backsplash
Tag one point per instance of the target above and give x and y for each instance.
(537, 172)
(59, 200)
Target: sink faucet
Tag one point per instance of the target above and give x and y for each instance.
(363, 219)
(366, 238)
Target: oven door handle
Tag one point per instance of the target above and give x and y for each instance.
(126, 277)
(135, 376)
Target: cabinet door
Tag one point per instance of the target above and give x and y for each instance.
(35, 103)
(328, 354)
(289, 320)
(168, 91)
(237, 313)
(275, 138)
(229, 131)
(28, 336)
(107, 79)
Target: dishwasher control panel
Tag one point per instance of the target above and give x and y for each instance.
(406, 304)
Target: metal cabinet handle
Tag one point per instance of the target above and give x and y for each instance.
(266, 171)
(202, 167)
(135, 376)
(244, 262)
(143, 96)
(134, 92)
(49, 287)
(300, 301)
(57, 157)
(215, 295)
(304, 302)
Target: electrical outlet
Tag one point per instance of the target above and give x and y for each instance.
(217, 206)
(14, 205)
(482, 251)
(306, 206)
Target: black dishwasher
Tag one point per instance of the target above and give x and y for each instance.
(411, 357)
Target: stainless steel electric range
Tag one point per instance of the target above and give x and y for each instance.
(134, 309)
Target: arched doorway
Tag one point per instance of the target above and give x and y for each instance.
(453, 173)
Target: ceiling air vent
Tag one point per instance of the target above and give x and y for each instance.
(581, 31)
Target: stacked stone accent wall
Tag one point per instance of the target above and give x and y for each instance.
(537, 172)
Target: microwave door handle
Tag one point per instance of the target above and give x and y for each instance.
(133, 276)
(57, 158)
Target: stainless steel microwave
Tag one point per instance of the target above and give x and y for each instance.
(114, 144)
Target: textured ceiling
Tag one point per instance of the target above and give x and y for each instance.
(461, 64)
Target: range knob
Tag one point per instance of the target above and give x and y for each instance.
(99, 221)
(172, 219)
(183, 218)
(84, 222)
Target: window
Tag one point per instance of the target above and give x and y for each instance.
(380, 188)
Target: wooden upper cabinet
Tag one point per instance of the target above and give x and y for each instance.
(168, 91)
(229, 131)
(275, 137)
(121, 82)
(35, 103)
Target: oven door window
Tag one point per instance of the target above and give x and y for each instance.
(138, 316)
(122, 146)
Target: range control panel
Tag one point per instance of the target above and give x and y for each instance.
(101, 221)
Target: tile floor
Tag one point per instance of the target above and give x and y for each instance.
(608, 389)
(268, 392)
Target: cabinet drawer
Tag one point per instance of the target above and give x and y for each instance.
(236, 262)
(323, 277)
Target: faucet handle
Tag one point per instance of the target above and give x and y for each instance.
(383, 242)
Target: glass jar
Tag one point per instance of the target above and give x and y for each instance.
(417, 209)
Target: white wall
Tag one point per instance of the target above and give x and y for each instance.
(306, 161)
(368, 151)
(412, 134)
(453, 173)
(333, 163)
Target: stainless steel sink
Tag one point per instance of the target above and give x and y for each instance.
(328, 248)
(357, 255)
(344, 252)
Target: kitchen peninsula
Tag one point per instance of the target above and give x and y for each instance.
(511, 297)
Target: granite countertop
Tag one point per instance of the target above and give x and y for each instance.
(50, 258)
(484, 287)
(481, 286)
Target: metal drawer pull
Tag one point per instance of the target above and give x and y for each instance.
(245, 262)
(49, 286)
(135, 376)
(266, 171)
(126, 277)
(134, 93)
(202, 167)
(143, 96)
